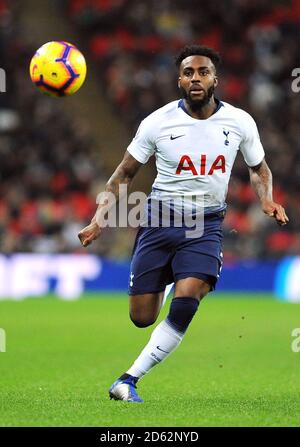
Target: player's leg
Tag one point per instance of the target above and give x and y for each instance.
(169, 289)
(165, 338)
(168, 334)
(144, 308)
(196, 267)
(149, 273)
(193, 287)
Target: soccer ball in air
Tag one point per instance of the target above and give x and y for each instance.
(58, 69)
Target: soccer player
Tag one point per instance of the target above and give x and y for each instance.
(195, 141)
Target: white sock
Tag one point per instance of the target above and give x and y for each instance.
(164, 340)
(168, 289)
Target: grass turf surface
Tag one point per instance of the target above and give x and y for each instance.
(235, 366)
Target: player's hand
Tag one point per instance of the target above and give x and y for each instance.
(89, 234)
(275, 210)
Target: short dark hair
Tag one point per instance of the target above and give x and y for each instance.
(198, 50)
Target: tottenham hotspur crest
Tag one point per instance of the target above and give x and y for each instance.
(226, 142)
(131, 279)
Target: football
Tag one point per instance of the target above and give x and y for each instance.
(58, 69)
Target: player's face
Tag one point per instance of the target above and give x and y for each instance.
(197, 80)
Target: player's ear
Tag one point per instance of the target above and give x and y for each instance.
(179, 80)
(216, 81)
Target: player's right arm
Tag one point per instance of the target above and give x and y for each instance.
(123, 174)
(138, 153)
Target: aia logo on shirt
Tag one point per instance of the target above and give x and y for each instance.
(186, 164)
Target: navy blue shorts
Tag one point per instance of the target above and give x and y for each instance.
(163, 255)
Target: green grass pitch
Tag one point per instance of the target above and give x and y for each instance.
(235, 366)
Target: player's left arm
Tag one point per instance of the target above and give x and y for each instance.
(261, 181)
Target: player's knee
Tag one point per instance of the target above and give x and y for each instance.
(142, 322)
(193, 287)
(203, 292)
(182, 311)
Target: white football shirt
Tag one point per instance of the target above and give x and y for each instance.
(195, 157)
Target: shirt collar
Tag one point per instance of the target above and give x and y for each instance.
(182, 106)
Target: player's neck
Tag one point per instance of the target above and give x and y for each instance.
(205, 112)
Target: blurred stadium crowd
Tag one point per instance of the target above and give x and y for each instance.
(49, 166)
(47, 161)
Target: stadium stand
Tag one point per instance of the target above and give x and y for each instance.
(47, 161)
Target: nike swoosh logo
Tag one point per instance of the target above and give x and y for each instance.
(157, 347)
(177, 136)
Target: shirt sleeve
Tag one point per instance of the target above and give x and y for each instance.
(250, 146)
(143, 144)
